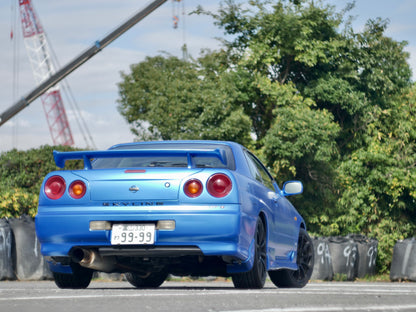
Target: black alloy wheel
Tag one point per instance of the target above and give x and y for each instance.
(305, 259)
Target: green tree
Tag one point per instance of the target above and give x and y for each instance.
(169, 98)
(319, 95)
(379, 179)
(279, 49)
(301, 144)
(282, 41)
(366, 70)
(326, 104)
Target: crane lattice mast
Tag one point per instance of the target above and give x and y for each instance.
(42, 67)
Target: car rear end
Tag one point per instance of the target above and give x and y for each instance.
(136, 202)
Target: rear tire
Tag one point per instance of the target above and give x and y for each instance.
(305, 260)
(150, 280)
(79, 279)
(256, 277)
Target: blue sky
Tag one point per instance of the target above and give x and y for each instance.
(73, 26)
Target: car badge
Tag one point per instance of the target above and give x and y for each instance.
(134, 188)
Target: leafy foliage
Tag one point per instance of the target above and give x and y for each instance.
(17, 202)
(325, 108)
(379, 179)
(168, 98)
(301, 144)
(21, 176)
(324, 104)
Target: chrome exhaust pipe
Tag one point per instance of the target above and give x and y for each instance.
(93, 260)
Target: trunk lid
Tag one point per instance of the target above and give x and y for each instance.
(122, 184)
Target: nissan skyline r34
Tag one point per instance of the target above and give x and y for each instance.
(151, 209)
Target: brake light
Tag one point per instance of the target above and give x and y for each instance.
(219, 185)
(134, 171)
(193, 188)
(77, 189)
(55, 187)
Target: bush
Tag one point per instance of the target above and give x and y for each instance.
(21, 176)
(16, 202)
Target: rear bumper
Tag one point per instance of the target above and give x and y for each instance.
(214, 230)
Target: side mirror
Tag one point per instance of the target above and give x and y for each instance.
(292, 188)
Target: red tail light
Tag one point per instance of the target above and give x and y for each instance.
(55, 187)
(219, 185)
(193, 188)
(77, 189)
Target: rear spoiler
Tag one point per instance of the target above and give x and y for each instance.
(87, 156)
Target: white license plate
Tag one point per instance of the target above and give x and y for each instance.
(133, 234)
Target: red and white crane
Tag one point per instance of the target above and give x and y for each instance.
(40, 60)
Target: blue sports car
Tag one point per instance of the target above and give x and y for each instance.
(151, 209)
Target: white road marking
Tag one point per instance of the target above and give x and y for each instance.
(336, 309)
(207, 292)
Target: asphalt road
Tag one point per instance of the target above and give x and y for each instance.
(208, 296)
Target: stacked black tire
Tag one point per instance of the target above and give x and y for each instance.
(20, 256)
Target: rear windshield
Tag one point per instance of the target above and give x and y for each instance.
(162, 160)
